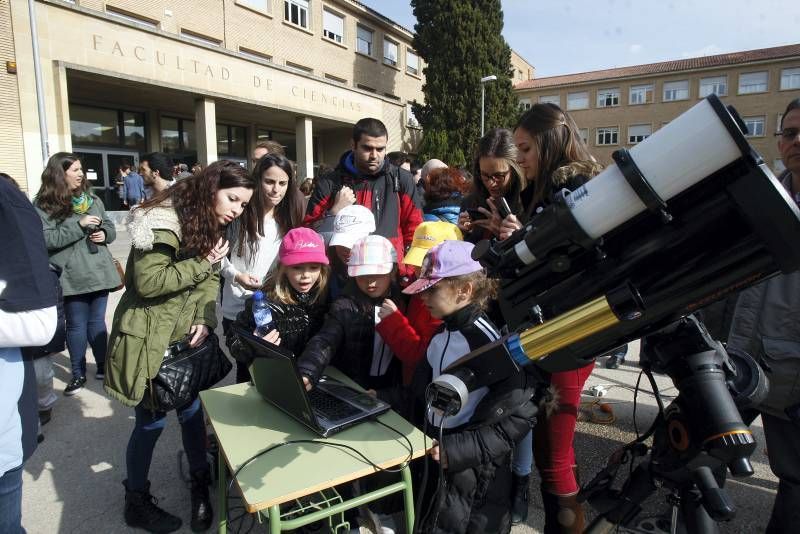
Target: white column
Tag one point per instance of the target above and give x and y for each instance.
(303, 130)
(153, 131)
(205, 119)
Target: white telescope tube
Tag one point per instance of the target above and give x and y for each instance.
(682, 153)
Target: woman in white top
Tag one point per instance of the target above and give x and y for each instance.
(250, 262)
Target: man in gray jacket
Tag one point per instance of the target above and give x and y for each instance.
(766, 324)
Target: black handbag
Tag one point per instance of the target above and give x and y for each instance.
(185, 372)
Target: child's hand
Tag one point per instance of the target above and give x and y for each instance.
(345, 197)
(307, 383)
(464, 222)
(435, 454)
(247, 281)
(273, 336)
(387, 308)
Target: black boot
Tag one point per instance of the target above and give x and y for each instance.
(519, 499)
(141, 512)
(202, 514)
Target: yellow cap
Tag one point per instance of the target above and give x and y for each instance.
(428, 235)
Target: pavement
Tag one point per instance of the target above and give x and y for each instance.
(73, 483)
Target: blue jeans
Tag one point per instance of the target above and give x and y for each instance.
(11, 502)
(523, 456)
(86, 325)
(146, 432)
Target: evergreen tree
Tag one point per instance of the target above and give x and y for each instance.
(461, 41)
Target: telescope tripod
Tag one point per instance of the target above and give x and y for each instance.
(695, 439)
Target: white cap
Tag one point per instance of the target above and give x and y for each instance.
(351, 224)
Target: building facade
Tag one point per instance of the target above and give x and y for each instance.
(620, 107)
(199, 79)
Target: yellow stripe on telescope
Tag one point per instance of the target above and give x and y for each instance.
(567, 328)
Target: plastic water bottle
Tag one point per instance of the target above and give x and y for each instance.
(262, 314)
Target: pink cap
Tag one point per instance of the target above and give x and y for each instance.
(302, 245)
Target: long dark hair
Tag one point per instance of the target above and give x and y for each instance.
(289, 212)
(498, 143)
(193, 199)
(558, 143)
(54, 196)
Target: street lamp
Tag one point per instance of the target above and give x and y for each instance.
(485, 79)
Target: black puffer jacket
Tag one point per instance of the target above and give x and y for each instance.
(295, 322)
(477, 493)
(347, 340)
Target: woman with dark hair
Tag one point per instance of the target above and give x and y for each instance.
(76, 231)
(497, 176)
(246, 269)
(444, 191)
(553, 157)
(171, 286)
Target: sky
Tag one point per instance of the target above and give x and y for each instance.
(570, 36)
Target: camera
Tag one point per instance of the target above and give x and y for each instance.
(89, 229)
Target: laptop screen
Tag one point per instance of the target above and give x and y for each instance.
(276, 379)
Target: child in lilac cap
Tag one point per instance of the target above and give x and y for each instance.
(475, 450)
(297, 295)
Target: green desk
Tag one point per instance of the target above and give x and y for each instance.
(244, 424)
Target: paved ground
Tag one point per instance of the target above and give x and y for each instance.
(73, 482)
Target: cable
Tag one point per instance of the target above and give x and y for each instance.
(442, 486)
(418, 505)
(635, 399)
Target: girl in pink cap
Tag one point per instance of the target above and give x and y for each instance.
(297, 294)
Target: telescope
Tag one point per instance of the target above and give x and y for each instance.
(686, 217)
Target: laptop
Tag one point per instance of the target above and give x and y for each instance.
(328, 408)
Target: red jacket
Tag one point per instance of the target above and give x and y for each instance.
(390, 194)
(408, 335)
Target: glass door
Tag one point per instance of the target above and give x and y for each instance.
(101, 168)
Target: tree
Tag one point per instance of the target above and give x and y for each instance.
(461, 41)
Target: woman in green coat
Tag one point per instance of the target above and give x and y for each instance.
(76, 232)
(171, 286)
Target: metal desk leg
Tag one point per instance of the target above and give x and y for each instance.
(222, 509)
(408, 497)
(275, 519)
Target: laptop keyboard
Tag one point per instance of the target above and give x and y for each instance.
(329, 407)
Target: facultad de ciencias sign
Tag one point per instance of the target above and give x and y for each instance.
(180, 62)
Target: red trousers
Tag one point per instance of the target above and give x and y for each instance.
(553, 435)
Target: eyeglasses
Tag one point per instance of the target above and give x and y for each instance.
(788, 134)
(496, 177)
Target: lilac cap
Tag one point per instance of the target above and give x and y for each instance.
(449, 258)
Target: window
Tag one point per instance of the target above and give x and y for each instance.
(578, 100)
(550, 99)
(755, 126)
(640, 94)
(366, 88)
(178, 137)
(607, 98)
(778, 124)
(752, 82)
(109, 127)
(412, 62)
(676, 91)
(296, 12)
(411, 119)
(584, 134)
(259, 5)
(231, 141)
(298, 66)
(200, 38)
(524, 104)
(254, 54)
(608, 136)
(131, 17)
(332, 26)
(638, 133)
(718, 85)
(336, 79)
(364, 40)
(790, 78)
(390, 52)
